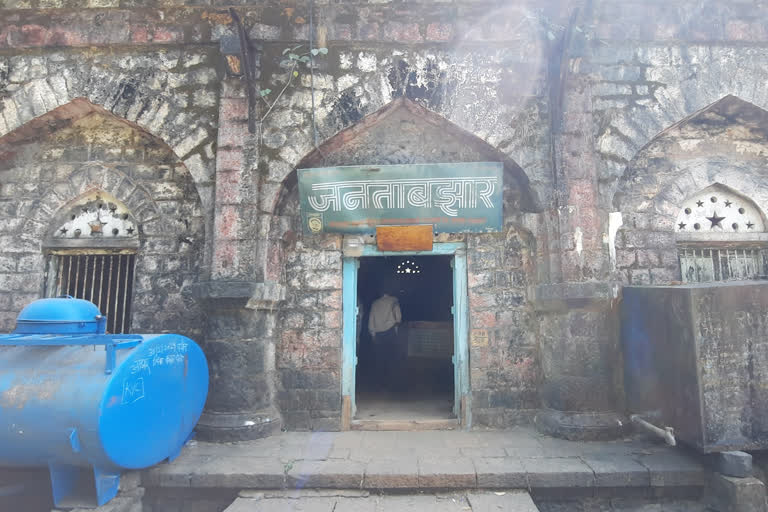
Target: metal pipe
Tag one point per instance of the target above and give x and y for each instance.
(666, 433)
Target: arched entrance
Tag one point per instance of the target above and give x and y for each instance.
(491, 326)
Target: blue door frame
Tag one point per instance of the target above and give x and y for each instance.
(460, 312)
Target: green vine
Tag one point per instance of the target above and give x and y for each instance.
(293, 60)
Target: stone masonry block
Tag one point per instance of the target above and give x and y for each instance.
(734, 463)
(392, 474)
(500, 472)
(443, 473)
(729, 494)
(613, 471)
(331, 474)
(558, 473)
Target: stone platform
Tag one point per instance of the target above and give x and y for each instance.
(414, 462)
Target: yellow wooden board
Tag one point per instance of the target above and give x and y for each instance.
(404, 238)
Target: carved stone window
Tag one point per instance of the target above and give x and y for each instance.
(96, 218)
(720, 237)
(91, 255)
(717, 209)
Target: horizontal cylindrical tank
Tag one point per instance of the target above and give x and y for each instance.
(111, 402)
(56, 402)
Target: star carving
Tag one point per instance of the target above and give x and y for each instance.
(715, 220)
(699, 203)
(728, 203)
(682, 225)
(130, 231)
(750, 225)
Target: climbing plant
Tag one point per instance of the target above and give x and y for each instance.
(293, 60)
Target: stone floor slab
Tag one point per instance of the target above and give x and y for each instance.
(402, 473)
(332, 473)
(671, 469)
(558, 472)
(500, 473)
(283, 505)
(421, 503)
(239, 473)
(390, 460)
(513, 501)
(446, 473)
(617, 471)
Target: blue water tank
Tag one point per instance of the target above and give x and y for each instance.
(81, 401)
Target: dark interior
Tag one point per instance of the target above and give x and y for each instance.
(424, 288)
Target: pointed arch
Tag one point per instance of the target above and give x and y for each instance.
(401, 110)
(726, 142)
(22, 120)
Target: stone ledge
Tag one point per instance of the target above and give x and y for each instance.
(568, 296)
(248, 294)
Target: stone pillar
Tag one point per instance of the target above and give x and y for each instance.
(579, 336)
(241, 307)
(240, 346)
(581, 360)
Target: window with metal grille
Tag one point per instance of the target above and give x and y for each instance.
(102, 277)
(699, 265)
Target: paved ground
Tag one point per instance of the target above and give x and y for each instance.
(513, 459)
(477, 501)
(513, 501)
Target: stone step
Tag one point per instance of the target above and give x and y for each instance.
(435, 460)
(653, 473)
(362, 501)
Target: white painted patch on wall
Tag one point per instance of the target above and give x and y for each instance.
(615, 221)
(577, 239)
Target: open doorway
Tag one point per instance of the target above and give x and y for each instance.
(406, 374)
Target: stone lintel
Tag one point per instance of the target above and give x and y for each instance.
(241, 293)
(557, 297)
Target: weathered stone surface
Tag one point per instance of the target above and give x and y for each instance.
(729, 494)
(392, 474)
(709, 325)
(519, 501)
(585, 111)
(612, 471)
(558, 472)
(671, 469)
(333, 474)
(502, 473)
(444, 472)
(736, 464)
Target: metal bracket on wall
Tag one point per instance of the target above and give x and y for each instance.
(248, 73)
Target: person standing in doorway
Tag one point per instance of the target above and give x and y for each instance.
(383, 321)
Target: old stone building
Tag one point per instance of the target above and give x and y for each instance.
(149, 154)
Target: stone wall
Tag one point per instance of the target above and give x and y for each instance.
(725, 145)
(505, 373)
(581, 101)
(100, 154)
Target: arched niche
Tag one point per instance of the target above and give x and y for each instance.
(80, 168)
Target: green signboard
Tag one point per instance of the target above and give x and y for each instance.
(454, 197)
